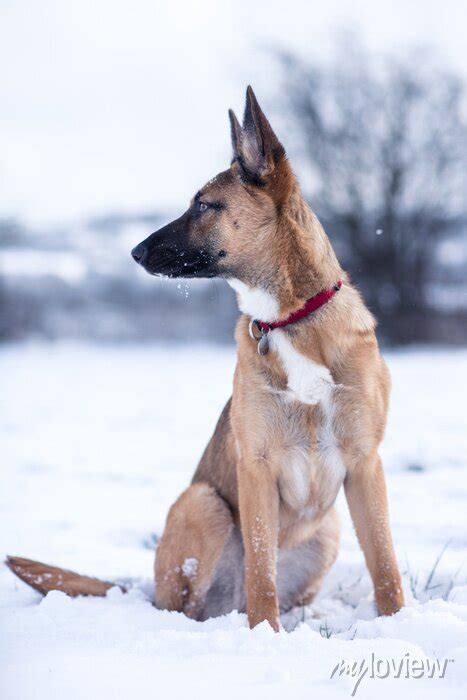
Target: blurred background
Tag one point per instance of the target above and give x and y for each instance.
(115, 113)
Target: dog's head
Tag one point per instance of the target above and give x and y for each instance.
(228, 229)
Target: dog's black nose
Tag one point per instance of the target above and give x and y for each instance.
(139, 253)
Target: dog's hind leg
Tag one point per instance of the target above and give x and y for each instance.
(198, 527)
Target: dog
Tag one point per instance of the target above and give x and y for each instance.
(257, 530)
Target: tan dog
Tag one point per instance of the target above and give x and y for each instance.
(257, 530)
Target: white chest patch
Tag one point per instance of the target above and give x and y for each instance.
(308, 382)
(255, 302)
(312, 383)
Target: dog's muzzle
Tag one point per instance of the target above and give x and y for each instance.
(139, 253)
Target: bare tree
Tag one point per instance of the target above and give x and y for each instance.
(386, 143)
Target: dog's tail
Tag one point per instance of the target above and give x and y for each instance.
(45, 578)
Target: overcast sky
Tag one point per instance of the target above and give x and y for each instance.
(109, 105)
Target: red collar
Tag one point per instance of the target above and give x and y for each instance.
(311, 305)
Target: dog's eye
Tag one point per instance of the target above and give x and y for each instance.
(202, 206)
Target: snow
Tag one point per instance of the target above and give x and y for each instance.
(98, 441)
(190, 567)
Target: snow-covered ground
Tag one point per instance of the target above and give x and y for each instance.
(96, 444)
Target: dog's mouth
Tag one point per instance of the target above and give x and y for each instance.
(180, 264)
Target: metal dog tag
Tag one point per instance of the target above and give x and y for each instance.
(263, 345)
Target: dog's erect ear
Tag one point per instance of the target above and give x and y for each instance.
(256, 146)
(235, 134)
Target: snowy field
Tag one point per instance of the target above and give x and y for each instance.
(96, 444)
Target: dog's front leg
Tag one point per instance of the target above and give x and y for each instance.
(259, 516)
(365, 489)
